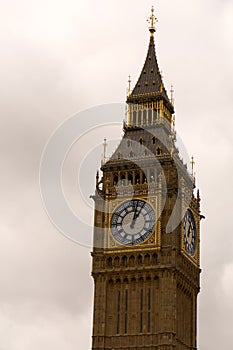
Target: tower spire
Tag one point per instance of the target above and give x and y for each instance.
(149, 88)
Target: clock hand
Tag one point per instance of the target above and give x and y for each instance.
(134, 216)
(189, 230)
(133, 222)
(135, 212)
(140, 211)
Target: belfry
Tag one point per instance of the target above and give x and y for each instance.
(146, 247)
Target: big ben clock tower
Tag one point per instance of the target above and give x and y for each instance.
(146, 246)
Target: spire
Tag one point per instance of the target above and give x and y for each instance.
(150, 87)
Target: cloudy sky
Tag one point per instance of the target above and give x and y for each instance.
(62, 57)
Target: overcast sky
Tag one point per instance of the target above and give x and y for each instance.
(61, 57)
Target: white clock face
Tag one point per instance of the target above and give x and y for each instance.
(132, 222)
(189, 232)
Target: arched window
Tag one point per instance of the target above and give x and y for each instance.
(139, 259)
(137, 178)
(155, 258)
(131, 260)
(124, 261)
(158, 151)
(130, 178)
(147, 259)
(153, 140)
(109, 261)
(115, 180)
(116, 261)
(141, 141)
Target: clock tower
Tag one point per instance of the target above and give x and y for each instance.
(146, 245)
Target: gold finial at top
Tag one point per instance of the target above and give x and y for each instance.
(152, 20)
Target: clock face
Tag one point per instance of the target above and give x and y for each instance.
(189, 232)
(132, 222)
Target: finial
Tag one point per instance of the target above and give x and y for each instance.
(172, 95)
(129, 81)
(152, 20)
(129, 86)
(105, 146)
(192, 164)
